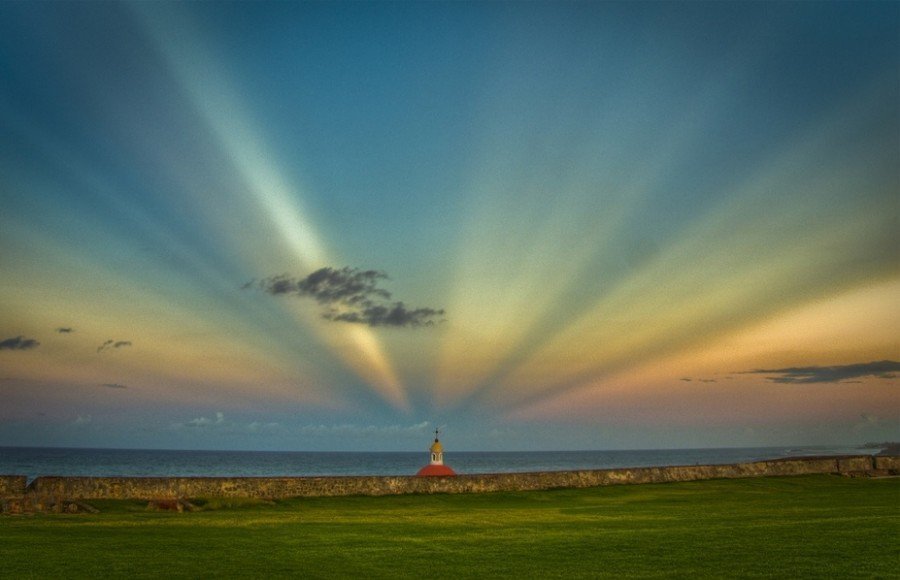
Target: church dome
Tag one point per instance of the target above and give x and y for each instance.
(436, 468)
(435, 471)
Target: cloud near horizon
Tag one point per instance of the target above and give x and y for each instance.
(219, 419)
(884, 369)
(351, 295)
(65, 330)
(18, 343)
(347, 429)
(82, 420)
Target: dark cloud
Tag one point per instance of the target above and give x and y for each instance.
(114, 386)
(65, 330)
(884, 369)
(18, 343)
(351, 295)
(393, 315)
(349, 286)
(686, 379)
(113, 344)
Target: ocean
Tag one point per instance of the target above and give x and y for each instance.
(36, 461)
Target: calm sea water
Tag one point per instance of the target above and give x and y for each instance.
(35, 461)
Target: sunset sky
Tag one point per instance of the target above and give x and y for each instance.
(319, 226)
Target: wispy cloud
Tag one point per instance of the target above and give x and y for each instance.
(65, 330)
(351, 295)
(870, 423)
(18, 343)
(113, 344)
(113, 386)
(869, 419)
(358, 430)
(884, 369)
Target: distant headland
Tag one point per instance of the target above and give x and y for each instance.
(887, 447)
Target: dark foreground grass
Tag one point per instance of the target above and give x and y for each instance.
(815, 526)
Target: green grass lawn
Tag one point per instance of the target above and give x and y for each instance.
(810, 526)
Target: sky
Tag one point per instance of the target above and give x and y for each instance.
(536, 226)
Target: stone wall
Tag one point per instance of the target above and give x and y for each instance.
(887, 463)
(49, 493)
(12, 494)
(12, 485)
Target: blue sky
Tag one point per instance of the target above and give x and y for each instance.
(586, 225)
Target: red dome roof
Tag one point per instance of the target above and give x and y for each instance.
(435, 471)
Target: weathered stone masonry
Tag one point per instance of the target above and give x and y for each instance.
(67, 493)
